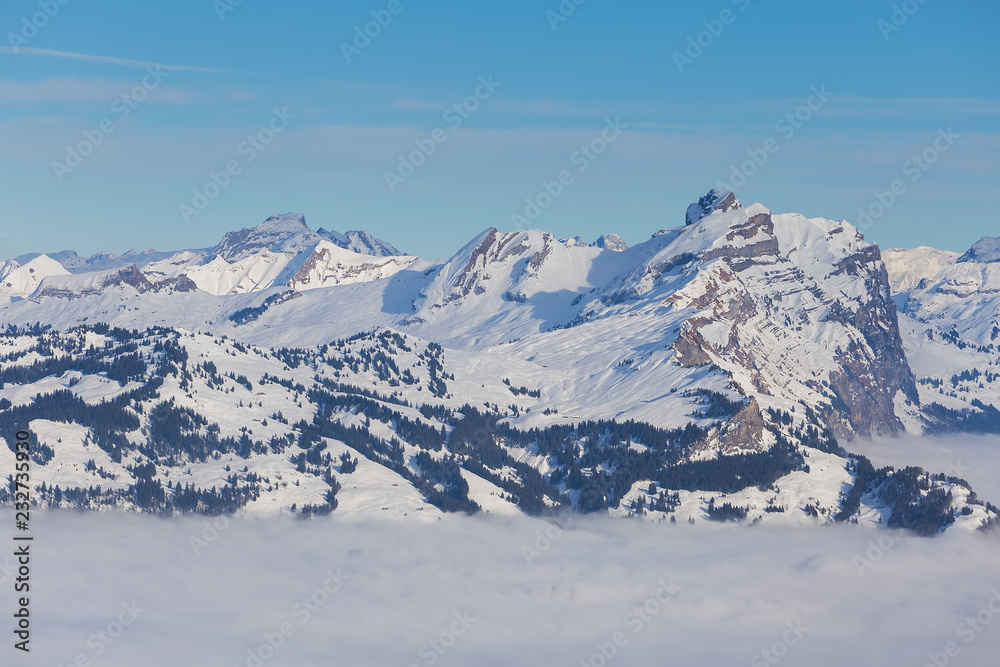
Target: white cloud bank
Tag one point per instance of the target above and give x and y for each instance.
(465, 583)
(971, 457)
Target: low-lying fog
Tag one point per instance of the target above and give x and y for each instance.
(132, 591)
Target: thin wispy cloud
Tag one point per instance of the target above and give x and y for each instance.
(924, 105)
(78, 90)
(110, 60)
(540, 107)
(855, 107)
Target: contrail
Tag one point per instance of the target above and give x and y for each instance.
(109, 60)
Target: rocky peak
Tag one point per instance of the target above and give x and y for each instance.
(289, 233)
(986, 250)
(716, 201)
(765, 287)
(272, 234)
(492, 248)
(611, 242)
(361, 242)
(130, 275)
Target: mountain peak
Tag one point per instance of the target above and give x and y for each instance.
(289, 221)
(611, 242)
(986, 251)
(716, 201)
(272, 234)
(362, 242)
(21, 279)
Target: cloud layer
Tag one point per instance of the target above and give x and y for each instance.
(484, 591)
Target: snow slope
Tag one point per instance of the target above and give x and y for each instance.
(19, 281)
(908, 268)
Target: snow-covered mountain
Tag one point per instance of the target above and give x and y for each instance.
(985, 250)
(522, 373)
(19, 280)
(289, 233)
(285, 234)
(102, 261)
(716, 201)
(950, 321)
(907, 268)
(281, 251)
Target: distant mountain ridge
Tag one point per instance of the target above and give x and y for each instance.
(279, 233)
(738, 348)
(290, 233)
(245, 260)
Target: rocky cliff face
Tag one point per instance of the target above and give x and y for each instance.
(792, 309)
(289, 233)
(790, 312)
(329, 265)
(716, 201)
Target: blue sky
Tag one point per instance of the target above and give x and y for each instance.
(891, 88)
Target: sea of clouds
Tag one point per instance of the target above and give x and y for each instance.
(126, 590)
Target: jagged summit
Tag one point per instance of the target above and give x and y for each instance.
(102, 261)
(746, 333)
(716, 201)
(273, 234)
(611, 242)
(986, 251)
(361, 242)
(290, 233)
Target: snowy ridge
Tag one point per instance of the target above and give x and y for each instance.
(744, 336)
(326, 265)
(289, 233)
(377, 426)
(909, 268)
(986, 250)
(361, 242)
(17, 280)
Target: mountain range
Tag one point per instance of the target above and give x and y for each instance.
(711, 372)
